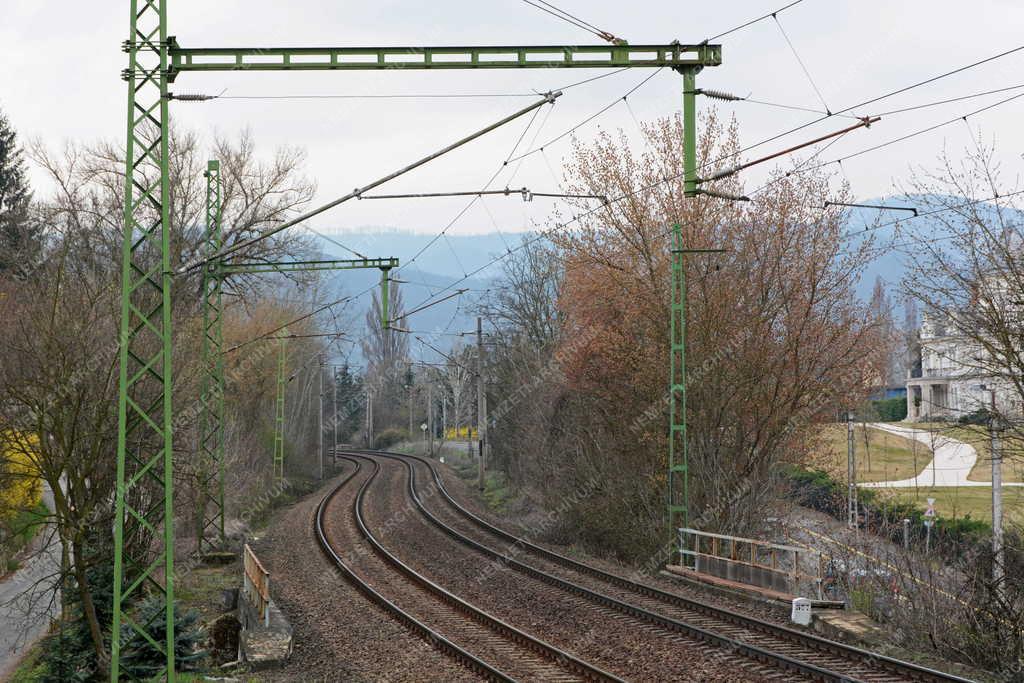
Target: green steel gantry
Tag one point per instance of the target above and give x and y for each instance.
(678, 464)
(282, 384)
(144, 493)
(210, 536)
(211, 398)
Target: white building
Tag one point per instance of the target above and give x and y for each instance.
(946, 382)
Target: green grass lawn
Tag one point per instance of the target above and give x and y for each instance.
(894, 457)
(955, 503)
(879, 455)
(978, 436)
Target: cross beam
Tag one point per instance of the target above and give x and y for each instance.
(297, 266)
(673, 55)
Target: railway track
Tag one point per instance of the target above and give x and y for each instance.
(783, 648)
(483, 643)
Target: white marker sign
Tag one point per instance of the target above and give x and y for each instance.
(801, 613)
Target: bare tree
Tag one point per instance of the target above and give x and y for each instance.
(966, 272)
(387, 355)
(776, 338)
(58, 374)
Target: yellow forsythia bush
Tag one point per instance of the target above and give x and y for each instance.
(20, 485)
(460, 433)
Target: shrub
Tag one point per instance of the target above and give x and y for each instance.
(20, 487)
(978, 417)
(68, 653)
(389, 437)
(891, 409)
(141, 661)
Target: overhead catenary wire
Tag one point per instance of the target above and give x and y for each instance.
(549, 98)
(587, 120)
(864, 103)
(473, 201)
(524, 192)
(299, 319)
(756, 144)
(723, 174)
(913, 134)
(936, 103)
(878, 98)
(730, 97)
(800, 61)
(752, 22)
(892, 93)
(406, 314)
(932, 212)
(551, 9)
(192, 97)
(377, 96)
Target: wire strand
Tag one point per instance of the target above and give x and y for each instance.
(588, 119)
(803, 66)
(914, 134)
(752, 22)
(565, 18)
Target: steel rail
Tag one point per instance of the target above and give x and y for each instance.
(536, 645)
(814, 642)
(753, 652)
(430, 635)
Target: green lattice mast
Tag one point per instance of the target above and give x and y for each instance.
(282, 384)
(144, 511)
(678, 463)
(211, 399)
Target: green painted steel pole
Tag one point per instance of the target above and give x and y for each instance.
(123, 337)
(678, 456)
(211, 398)
(168, 349)
(385, 280)
(678, 470)
(144, 495)
(690, 132)
(282, 361)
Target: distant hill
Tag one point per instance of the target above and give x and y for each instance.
(431, 265)
(890, 264)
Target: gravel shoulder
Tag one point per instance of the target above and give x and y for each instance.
(339, 634)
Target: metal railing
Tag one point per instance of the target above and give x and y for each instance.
(760, 563)
(256, 586)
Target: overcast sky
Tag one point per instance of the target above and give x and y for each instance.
(60, 81)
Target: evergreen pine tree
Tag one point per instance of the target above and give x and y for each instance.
(19, 239)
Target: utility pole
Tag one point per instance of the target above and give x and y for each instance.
(334, 414)
(481, 397)
(678, 461)
(320, 415)
(211, 397)
(409, 399)
(282, 358)
(430, 417)
(369, 419)
(851, 475)
(997, 496)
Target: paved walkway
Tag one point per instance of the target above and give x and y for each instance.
(952, 463)
(25, 607)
